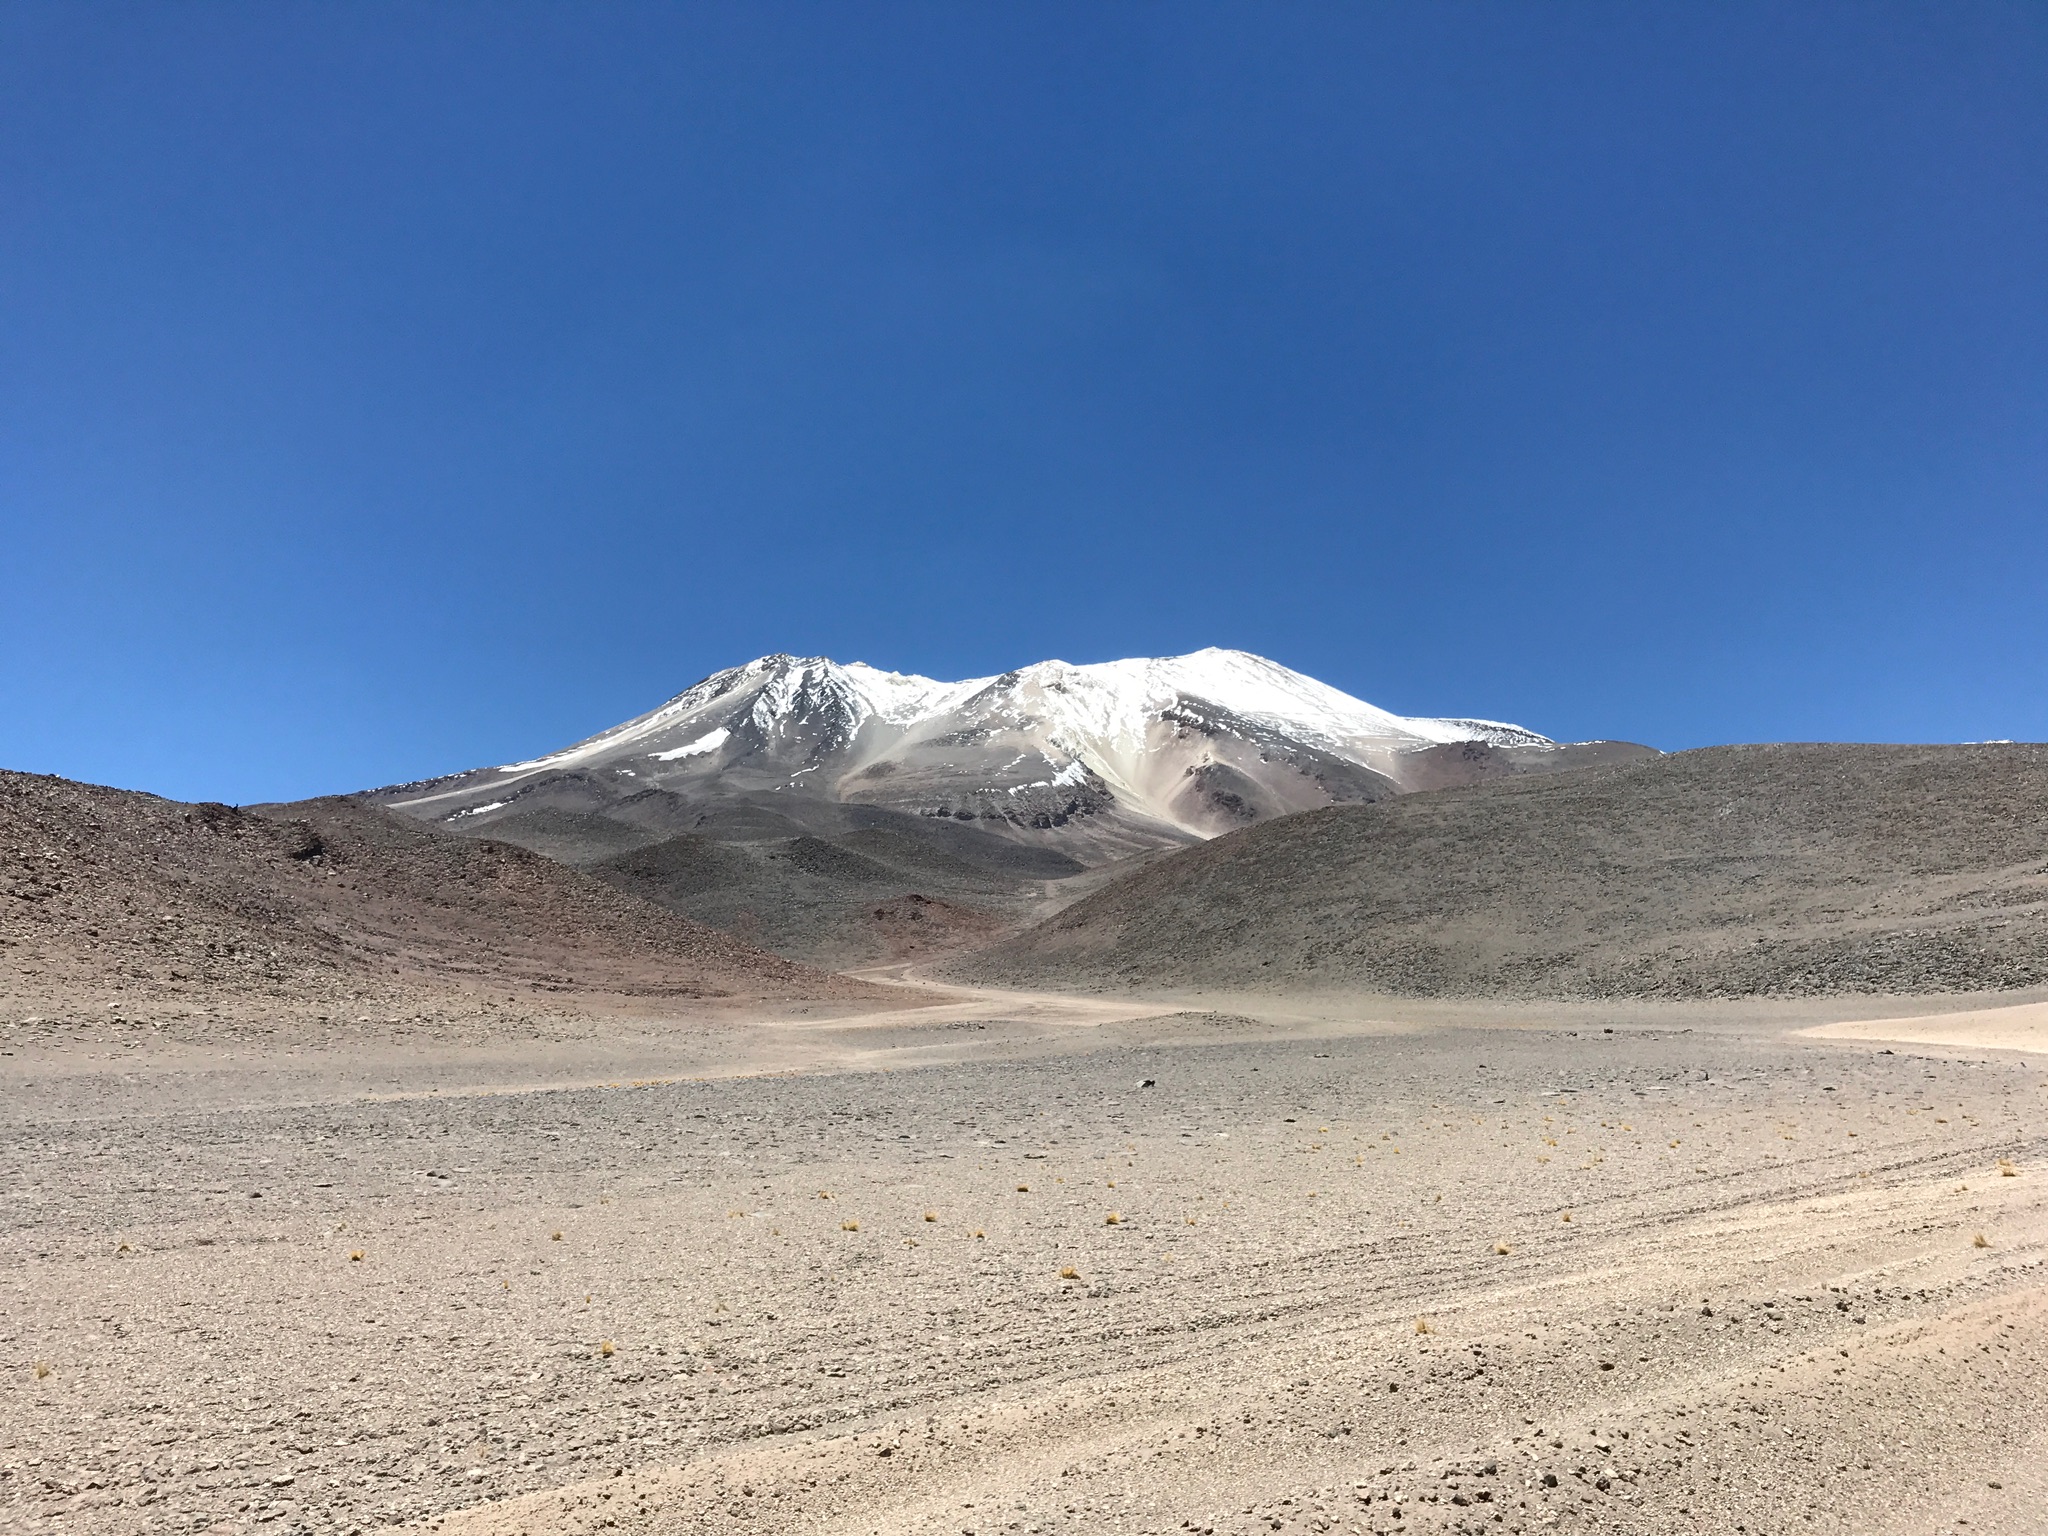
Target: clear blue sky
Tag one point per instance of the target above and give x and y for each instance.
(387, 389)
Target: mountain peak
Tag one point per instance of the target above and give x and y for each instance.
(1162, 748)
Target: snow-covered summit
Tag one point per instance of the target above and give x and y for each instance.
(1107, 706)
(1185, 744)
(1115, 699)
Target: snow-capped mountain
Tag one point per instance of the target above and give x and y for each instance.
(1105, 758)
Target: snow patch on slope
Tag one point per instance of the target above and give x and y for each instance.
(710, 741)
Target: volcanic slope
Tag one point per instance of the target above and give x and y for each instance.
(1790, 869)
(859, 899)
(827, 884)
(110, 898)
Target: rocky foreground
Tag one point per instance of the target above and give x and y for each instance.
(1661, 1271)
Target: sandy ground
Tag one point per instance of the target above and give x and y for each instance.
(1372, 1268)
(2019, 1027)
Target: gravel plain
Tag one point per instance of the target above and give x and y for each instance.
(1022, 1265)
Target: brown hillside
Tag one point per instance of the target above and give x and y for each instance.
(113, 896)
(1725, 872)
